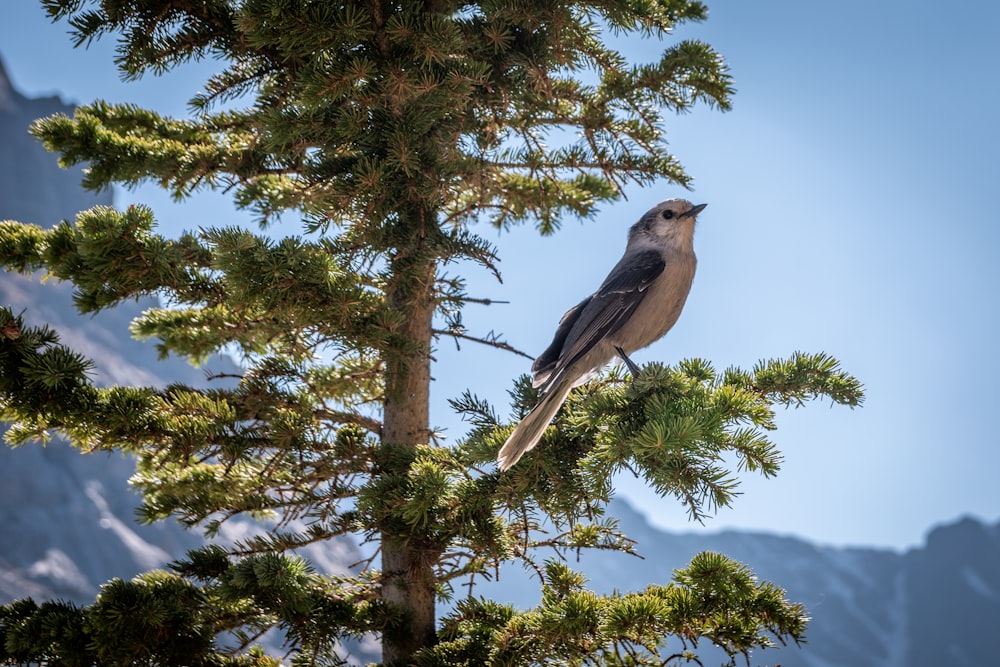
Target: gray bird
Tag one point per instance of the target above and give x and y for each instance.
(637, 304)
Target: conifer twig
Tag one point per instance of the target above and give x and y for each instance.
(491, 341)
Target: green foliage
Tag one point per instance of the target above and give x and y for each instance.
(392, 131)
(360, 114)
(34, 633)
(573, 626)
(687, 431)
(162, 618)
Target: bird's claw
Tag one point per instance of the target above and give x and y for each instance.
(632, 368)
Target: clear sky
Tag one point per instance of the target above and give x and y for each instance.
(852, 210)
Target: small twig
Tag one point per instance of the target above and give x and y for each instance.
(372, 425)
(485, 302)
(485, 341)
(366, 563)
(249, 640)
(209, 375)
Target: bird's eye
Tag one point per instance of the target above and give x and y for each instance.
(667, 214)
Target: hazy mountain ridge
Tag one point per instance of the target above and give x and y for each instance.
(34, 188)
(67, 519)
(870, 607)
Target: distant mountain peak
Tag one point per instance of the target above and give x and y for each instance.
(33, 187)
(8, 96)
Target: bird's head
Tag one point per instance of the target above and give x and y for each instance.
(671, 221)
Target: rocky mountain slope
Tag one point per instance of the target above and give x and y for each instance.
(67, 519)
(932, 605)
(34, 189)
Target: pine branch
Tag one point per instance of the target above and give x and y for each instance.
(373, 426)
(490, 340)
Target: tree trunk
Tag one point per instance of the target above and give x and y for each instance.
(408, 579)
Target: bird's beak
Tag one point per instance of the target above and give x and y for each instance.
(695, 210)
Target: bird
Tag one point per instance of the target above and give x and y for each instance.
(636, 305)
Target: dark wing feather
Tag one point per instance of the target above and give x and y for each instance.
(547, 360)
(611, 306)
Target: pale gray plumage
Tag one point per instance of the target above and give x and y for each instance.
(637, 304)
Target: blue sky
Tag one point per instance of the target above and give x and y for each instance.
(851, 210)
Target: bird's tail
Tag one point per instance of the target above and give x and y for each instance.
(527, 434)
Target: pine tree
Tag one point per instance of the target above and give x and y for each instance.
(391, 130)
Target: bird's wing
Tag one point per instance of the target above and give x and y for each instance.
(547, 360)
(610, 307)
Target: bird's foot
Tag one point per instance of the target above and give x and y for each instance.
(632, 368)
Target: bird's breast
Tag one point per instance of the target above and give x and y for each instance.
(661, 305)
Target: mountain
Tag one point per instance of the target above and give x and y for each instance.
(933, 605)
(67, 520)
(34, 188)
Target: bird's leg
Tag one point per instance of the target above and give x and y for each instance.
(632, 368)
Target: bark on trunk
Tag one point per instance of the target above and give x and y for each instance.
(408, 579)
